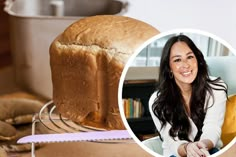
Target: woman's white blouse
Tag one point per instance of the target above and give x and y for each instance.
(211, 126)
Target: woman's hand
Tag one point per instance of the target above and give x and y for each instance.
(203, 146)
(196, 149)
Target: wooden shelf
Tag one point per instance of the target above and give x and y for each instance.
(139, 82)
(141, 89)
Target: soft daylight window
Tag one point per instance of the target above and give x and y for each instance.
(150, 56)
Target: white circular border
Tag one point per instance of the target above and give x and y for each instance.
(131, 59)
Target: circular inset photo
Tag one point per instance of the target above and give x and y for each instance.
(177, 94)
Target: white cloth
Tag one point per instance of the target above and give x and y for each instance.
(211, 126)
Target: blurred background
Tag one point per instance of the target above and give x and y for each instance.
(27, 28)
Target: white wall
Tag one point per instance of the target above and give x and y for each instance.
(142, 73)
(214, 16)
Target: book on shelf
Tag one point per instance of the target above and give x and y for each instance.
(143, 137)
(133, 107)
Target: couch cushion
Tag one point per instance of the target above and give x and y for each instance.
(154, 144)
(229, 125)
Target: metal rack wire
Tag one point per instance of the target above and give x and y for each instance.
(55, 123)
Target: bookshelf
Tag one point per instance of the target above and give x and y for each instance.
(133, 107)
(139, 90)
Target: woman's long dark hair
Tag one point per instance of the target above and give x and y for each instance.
(169, 103)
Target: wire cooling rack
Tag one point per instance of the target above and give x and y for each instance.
(56, 123)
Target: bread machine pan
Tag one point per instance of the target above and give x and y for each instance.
(34, 24)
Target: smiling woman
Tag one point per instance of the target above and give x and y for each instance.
(184, 107)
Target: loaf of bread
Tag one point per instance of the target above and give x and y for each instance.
(87, 60)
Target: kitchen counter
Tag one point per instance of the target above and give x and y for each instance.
(88, 149)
